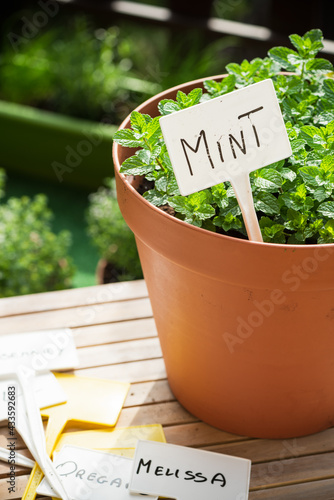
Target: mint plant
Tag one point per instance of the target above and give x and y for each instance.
(294, 197)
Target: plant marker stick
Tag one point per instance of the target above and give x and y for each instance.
(37, 431)
(106, 400)
(36, 428)
(243, 192)
(53, 430)
(224, 140)
(19, 458)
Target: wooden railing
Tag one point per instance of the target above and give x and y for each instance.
(270, 22)
(281, 18)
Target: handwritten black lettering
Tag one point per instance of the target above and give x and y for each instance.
(219, 478)
(253, 126)
(242, 148)
(220, 152)
(200, 478)
(250, 112)
(142, 463)
(159, 471)
(195, 150)
(189, 475)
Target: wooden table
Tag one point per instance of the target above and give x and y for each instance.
(116, 339)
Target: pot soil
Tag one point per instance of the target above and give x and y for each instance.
(246, 328)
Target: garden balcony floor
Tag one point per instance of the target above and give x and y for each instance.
(116, 338)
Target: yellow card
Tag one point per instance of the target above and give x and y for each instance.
(90, 400)
(121, 437)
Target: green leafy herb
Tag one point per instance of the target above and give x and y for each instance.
(293, 198)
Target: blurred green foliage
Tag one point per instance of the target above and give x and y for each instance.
(111, 235)
(32, 258)
(75, 67)
(100, 74)
(72, 69)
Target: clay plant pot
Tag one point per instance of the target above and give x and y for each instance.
(246, 329)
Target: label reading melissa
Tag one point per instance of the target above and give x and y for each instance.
(179, 472)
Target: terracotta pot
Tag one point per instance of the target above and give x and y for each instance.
(246, 329)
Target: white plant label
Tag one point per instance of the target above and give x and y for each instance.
(226, 138)
(42, 350)
(178, 472)
(48, 392)
(92, 475)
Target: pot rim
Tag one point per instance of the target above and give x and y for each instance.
(126, 179)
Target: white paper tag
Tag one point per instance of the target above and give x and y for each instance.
(47, 389)
(226, 137)
(92, 475)
(182, 473)
(42, 350)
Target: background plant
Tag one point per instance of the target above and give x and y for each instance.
(32, 258)
(102, 74)
(74, 69)
(111, 235)
(293, 198)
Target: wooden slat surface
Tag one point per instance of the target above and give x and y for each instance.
(116, 338)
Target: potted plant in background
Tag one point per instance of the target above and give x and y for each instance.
(246, 328)
(33, 258)
(112, 237)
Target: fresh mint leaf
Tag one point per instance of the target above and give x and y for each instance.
(321, 193)
(318, 65)
(156, 197)
(298, 42)
(271, 231)
(219, 195)
(153, 131)
(266, 203)
(228, 222)
(281, 56)
(185, 101)
(313, 41)
(314, 136)
(288, 174)
(139, 122)
(134, 166)
(294, 198)
(324, 117)
(247, 72)
(128, 138)
(168, 106)
(193, 207)
(310, 175)
(328, 88)
(327, 233)
(161, 183)
(226, 85)
(172, 187)
(268, 179)
(327, 163)
(327, 209)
